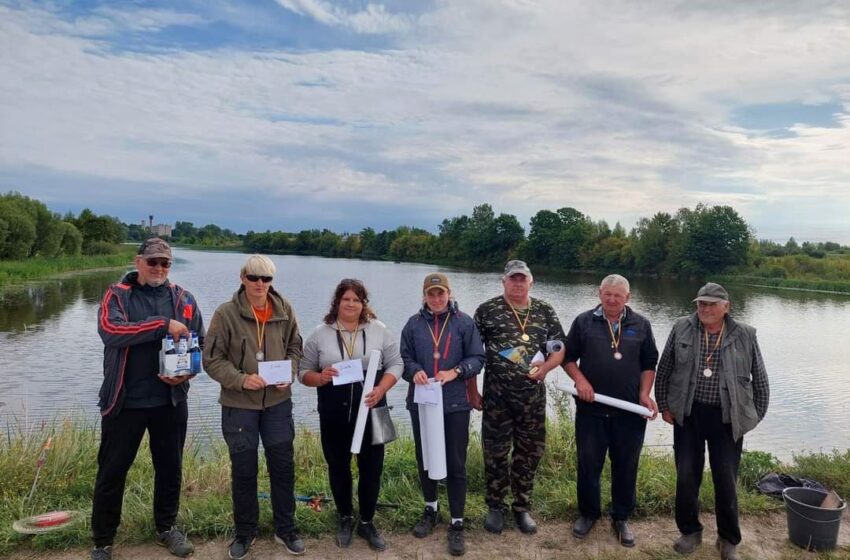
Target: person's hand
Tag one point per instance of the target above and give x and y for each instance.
(472, 394)
(585, 390)
(667, 416)
(375, 396)
(177, 329)
(646, 400)
(282, 386)
(327, 375)
(446, 375)
(420, 378)
(174, 380)
(253, 382)
(538, 371)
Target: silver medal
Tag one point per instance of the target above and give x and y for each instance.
(707, 372)
(260, 356)
(618, 356)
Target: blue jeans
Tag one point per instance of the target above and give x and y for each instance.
(242, 429)
(621, 437)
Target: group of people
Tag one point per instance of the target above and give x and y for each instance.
(710, 383)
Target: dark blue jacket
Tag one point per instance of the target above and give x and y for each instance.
(119, 334)
(460, 346)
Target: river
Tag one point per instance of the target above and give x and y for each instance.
(51, 355)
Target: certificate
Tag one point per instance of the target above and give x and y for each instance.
(276, 372)
(349, 371)
(428, 394)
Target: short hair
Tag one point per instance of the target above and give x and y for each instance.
(359, 290)
(260, 265)
(615, 280)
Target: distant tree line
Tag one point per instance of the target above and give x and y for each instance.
(706, 239)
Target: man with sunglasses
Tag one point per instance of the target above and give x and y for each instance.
(134, 316)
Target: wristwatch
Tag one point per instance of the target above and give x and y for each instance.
(458, 370)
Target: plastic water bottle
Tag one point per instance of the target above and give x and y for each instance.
(169, 344)
(195, 350)
(182, 345)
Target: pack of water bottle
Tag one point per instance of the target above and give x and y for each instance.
(180, 357)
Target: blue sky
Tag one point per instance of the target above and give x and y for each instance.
(293, 114)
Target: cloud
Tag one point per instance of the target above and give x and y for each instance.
(615, 108)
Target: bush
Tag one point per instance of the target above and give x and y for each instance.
(99, 248)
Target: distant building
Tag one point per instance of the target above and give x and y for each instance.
(161, 230)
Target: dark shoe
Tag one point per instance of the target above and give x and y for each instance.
(343, 534)
(525, 523)
(455, 536)
(292, 543)
(495, 520)
(624, 533)
(582, 527)
(686, 544)
(728, 551)
(373, 537)
(425, 526)
(239, 547)
(176, 542)
(101, 553)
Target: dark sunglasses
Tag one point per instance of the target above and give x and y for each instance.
(254, 278)
(164, 263)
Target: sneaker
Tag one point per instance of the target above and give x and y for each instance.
(686, 544)
(368, 531)
(623, 532)
(239, 547)
(343, 534)
(176, 542)
(425, 526)
(292, 543)
(455, 537)
(495, 520)
(101, 553)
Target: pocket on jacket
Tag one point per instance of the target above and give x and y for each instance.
(745, 397)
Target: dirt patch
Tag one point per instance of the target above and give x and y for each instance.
(764, 538)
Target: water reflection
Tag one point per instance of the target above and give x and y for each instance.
(52, 357)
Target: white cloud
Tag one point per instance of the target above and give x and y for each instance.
(374, 18)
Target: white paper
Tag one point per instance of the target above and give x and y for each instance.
(275, 372)
(349, 371)
(539, 357)
(432, 434)
(363, 411)
(611, 401)
(428, 394)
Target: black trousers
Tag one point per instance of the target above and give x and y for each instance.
(457, 440)
(121, 435)
(337, 432)
(242, 429)
(621, 437)
(705, 425)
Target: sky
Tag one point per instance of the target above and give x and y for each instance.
(298, 114)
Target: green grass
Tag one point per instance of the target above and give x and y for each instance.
(13, 272)
(68, 476)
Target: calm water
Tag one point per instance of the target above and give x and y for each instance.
(50, 353)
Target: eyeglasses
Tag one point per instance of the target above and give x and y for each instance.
(164, 263)
(254, 278)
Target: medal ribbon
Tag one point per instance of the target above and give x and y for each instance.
(615, 339)
(433, 332)
(261, 327)
(352, 339)
(523, 322)
(716, 345)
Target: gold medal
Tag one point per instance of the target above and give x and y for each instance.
(523, 323)
(525, 337)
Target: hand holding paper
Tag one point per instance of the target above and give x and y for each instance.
(349, 371)
(276, 372)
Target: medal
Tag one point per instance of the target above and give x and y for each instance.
(352, 338)
(615, 338)
(261, 334)
(260, 356)
(525, 337)
(707, 372)
(438, 337)
(618, 356)
(523, 323)
(436, 355)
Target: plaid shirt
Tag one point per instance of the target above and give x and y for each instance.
(708, 388)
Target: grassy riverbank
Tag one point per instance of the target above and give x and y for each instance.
(68, 476)
(13, 272)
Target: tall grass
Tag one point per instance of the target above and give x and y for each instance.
(38, 267)
(68, 477)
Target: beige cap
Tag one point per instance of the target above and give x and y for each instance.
(435, 280)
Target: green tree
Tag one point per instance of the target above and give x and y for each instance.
(715, 239)
(653, 242)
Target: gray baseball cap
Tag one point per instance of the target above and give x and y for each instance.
(712, 293)
(155, 247)
(516, 267)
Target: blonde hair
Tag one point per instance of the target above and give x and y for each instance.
(260, 265)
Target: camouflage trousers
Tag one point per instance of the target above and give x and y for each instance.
(513, 434)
